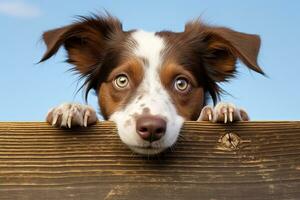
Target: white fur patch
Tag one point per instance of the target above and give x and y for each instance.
(152, 96)
(149, 46)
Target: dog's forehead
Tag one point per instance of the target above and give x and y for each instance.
(149, 46)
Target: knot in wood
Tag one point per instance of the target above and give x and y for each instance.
(230, 141)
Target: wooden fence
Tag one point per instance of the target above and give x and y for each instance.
(250, 160)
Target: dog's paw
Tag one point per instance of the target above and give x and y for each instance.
(71, 114)
(223, 112)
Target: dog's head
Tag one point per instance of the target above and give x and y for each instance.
(149, 83)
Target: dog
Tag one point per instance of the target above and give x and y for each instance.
(149, 83)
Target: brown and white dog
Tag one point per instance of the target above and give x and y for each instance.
(149, 83)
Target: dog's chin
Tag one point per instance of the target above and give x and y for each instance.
(147, 150)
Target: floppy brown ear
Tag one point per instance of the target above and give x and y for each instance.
(223, 47)
(85, 41)
(53, 40)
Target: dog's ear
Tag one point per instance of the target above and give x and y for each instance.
(223, 47)
(85, 40)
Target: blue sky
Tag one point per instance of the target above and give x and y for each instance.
(29, 90)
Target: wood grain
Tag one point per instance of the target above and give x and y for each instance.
(38, 161)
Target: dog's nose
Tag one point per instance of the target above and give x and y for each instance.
(150, 128)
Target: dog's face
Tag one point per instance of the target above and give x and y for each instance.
(150, 83)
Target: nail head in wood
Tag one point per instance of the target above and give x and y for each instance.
(230, 141)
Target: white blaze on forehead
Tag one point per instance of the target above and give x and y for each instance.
(149, 46)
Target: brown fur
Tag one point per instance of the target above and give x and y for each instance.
(188, 104)
(212, 52)
(98, 47)
(86, 42)
(110, 98)
(95, 45)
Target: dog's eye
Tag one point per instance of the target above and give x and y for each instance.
(121, 81)
(181, 84)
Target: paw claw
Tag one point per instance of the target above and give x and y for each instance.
(69, 115)
(55, 119)
(64, 121)
(230, 115)
(223, 112)
(206, 114)
(225, 117)
(86, 117)
(209, 116)
(69, 124)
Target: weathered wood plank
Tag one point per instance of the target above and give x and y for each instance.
(38, 161)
